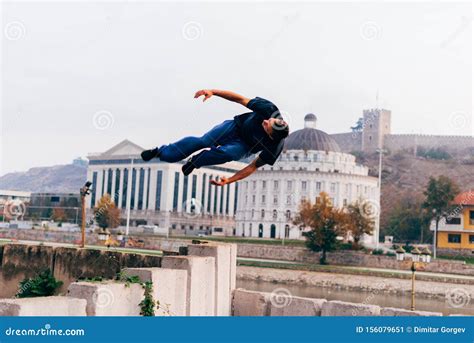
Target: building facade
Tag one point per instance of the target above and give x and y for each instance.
(310, 163)
(157, 193)
(456, 232)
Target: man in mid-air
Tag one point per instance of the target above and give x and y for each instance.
(262, 130)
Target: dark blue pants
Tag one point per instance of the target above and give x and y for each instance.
(224, 143)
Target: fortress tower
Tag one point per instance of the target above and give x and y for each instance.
(376, 126)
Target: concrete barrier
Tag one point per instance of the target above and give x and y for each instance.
(109, 298)
(295, 306)
(249, 303)
(200, 282)
(225, 256)
(43, 306)
(342, 308)
(169, 288)
(398, 312)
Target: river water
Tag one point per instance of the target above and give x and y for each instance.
(381, 299)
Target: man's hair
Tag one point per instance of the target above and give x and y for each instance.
(280, 130)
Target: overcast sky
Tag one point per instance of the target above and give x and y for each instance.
(80, 77)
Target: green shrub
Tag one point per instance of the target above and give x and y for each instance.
(43, 285)
(377, 252)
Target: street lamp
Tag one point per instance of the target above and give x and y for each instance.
(416, 254)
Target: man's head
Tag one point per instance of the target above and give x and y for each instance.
(276, 128)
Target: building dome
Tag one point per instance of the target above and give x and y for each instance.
(311, 138)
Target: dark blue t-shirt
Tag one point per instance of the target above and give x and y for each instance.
(252, 133)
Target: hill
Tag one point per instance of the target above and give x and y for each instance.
(60, 178)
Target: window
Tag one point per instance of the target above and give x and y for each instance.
(454, 238)
(288, 200)
(287, 231)
(288, 214)
(275, 185)
(253, 214)
(275, 214)
(264, 184)
(453, 221)
(275, 200)
(318, 186)
(263, 214)
(289, 185)
(263, 199)
(253, 199)
(471, 239)
(303, 185)
(175, 191)
(246, 199)
(333, 187)
(344, 202)
(471, 217)
(159, 179)
(254, 184)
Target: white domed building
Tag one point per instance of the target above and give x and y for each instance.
(311, 163)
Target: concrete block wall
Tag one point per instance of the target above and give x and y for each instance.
(169, 288)
(43, 306)
(225, 264)
(200, 282)
(108, 298)
(251, 303)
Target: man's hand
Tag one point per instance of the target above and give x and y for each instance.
(220, 182)
(206, 92)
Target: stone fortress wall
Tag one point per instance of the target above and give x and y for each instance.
(376, 132)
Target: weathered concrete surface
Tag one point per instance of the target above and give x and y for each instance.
(225, 256)
(250, 303)
(109, 298)
(281, 305)
(72, 264)
(20, 261)
(342, 308)
(377, 284)
(43, 306)
(200, 284)
(169, 288)
(398, 312)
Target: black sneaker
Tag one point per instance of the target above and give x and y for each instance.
(188, 168)
(147, 155)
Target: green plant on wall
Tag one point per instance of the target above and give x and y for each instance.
(148, 304)
(43, 285)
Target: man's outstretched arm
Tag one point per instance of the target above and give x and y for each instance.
(241, 174)
(228, 95)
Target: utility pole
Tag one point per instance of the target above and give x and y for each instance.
(84, 191)
(129, 194)
(377, 224)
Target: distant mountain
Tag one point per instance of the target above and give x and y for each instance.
(61, 178)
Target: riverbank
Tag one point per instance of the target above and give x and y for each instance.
(427, 289)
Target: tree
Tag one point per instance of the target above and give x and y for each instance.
(439, 194)
(408, 221)
(358, 126)
(106, 214)
(326, 223)
(59, 215)
(359, 223)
